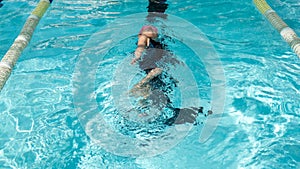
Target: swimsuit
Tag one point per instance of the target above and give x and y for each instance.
(154, 52)
(151, 59)
(163, 85)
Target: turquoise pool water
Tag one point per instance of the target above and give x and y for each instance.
(258, 129)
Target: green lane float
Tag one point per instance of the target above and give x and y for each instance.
(287, 33)
(10, 58)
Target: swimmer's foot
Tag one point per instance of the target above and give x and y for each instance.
(209, 112)
(143, 115)
(200, 111)
(186, 115)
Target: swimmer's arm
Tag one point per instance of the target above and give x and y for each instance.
(152, 74)
(140, 48)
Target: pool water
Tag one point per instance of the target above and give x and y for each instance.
(40, 127)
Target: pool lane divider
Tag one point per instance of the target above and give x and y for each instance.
(287, 33)
(12, 55)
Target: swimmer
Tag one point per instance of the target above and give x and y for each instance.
(149, 54)
(147, 40)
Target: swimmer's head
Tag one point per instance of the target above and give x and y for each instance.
(149, 31)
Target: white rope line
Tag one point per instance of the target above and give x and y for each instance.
(6, 65)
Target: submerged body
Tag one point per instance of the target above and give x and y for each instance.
(158, 84)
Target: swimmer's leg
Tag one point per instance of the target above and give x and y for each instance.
(184, 115)
(143, 92)
(152, 74)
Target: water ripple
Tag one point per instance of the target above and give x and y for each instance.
(39, 128)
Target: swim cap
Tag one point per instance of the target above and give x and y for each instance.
(148, 28)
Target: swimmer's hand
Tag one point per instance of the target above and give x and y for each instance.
(133, 61)
(137, 54)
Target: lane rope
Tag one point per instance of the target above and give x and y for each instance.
(287, 33)
(12, 55)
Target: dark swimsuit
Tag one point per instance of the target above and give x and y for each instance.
(154, 54)
(151, 59)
